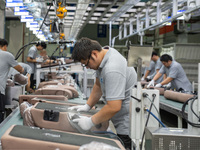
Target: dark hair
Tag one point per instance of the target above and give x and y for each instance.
(165, 58)
(84, 47)
(154, 53)
(43, 44)
(3, 42)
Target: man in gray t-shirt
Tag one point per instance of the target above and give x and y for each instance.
(114, 83)
(150, 70)
(158, 65)
(175, 75)
(7, 61)
(32, 59)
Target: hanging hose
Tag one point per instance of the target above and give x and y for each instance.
(155, 118)
(141, 145)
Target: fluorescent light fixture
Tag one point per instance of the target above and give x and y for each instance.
(71, 7)
(108, 15)
(92, 22)
(96, 14)
(113, 10)
(94, 18)
(104, 19)
(28, 18)
(70, 13)
(32, 24)
(14, 3)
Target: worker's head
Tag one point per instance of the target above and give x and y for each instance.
(3, 44)
(87, 52)
(154, 56)
(166, 60)
(41, 45)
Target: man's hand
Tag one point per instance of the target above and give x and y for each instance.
(151, 83)
(148, 77)
(84, 122)
(158, 85)
(39, 59)
(85, 108)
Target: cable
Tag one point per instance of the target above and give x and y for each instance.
(191, 107)
(141, 145)
(155, 118)
(22, 49)
(183, 111)
(155, 108)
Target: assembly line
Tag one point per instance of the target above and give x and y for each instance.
(99, 75)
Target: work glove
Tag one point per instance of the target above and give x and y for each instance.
(151, 83)
(142, 79)
(84, 122)
(85, 108)
(148, 77)
(158, 85)
(39, 59)
(169, 85)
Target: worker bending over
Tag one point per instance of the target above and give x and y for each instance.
(158, 65)
(114, 83)
(7, 61)
(32, 59)
(149, 71)
(175, 75)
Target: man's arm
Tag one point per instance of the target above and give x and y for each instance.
(166, 81)
(29, 59)
(146, 74)
(157, 76)
(95, 94)
(19, 68)
(107, 112)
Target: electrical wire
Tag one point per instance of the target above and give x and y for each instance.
(22, 49)
(155, 108)
(183, 111)
(156, 118)
(141, 145)
(191, 107)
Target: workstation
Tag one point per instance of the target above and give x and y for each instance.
(99, 74)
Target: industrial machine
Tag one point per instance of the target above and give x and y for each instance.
(143, 103)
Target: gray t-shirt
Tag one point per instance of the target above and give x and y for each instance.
(7, 61)
(158, 65)
(151, 68)
(32, 53)
(26, 67)
(180, 79)
(117, 80)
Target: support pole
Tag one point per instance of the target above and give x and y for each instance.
(2, 18)
(110, 34)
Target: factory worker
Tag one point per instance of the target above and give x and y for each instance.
(149, 70)
(27, 72)
(158, 65)
(114, 83)
(32, 59)
(175, 75)
(7, 61)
